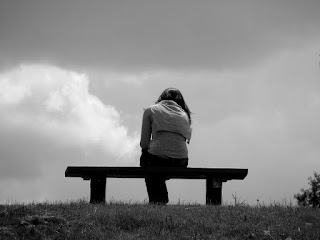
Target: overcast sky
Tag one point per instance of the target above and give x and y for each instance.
(76, 75)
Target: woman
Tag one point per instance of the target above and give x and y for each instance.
(166, 128)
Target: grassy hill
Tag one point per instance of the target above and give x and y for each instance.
(80, 220)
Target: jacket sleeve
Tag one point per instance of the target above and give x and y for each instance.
(188, 141)
(146, 129)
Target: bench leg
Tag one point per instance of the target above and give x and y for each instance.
(98, 190)
(214, 191)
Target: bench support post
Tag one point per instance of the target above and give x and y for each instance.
(98, 190)
(214, 191)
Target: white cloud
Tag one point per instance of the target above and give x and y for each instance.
(11, 93)
(56, 104)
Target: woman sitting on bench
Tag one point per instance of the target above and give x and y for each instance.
(166, 128)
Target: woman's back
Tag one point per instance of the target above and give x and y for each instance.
(168, 144)
(170, 129)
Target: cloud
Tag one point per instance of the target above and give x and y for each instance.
(47, 113)
(264, 117)
(152, 35)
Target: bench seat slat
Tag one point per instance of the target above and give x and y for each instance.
(89, 172)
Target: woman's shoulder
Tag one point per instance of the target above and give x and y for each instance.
(147, 112)
(153, 108)
(148, 109)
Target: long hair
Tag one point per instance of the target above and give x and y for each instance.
(176, 96)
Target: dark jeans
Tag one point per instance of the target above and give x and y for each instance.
(156, 186)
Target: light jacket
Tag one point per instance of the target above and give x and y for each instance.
(168, 116)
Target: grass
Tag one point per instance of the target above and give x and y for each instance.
(80, 220)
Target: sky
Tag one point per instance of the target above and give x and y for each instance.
(76, 75)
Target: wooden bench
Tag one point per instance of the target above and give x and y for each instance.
(214, 178)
